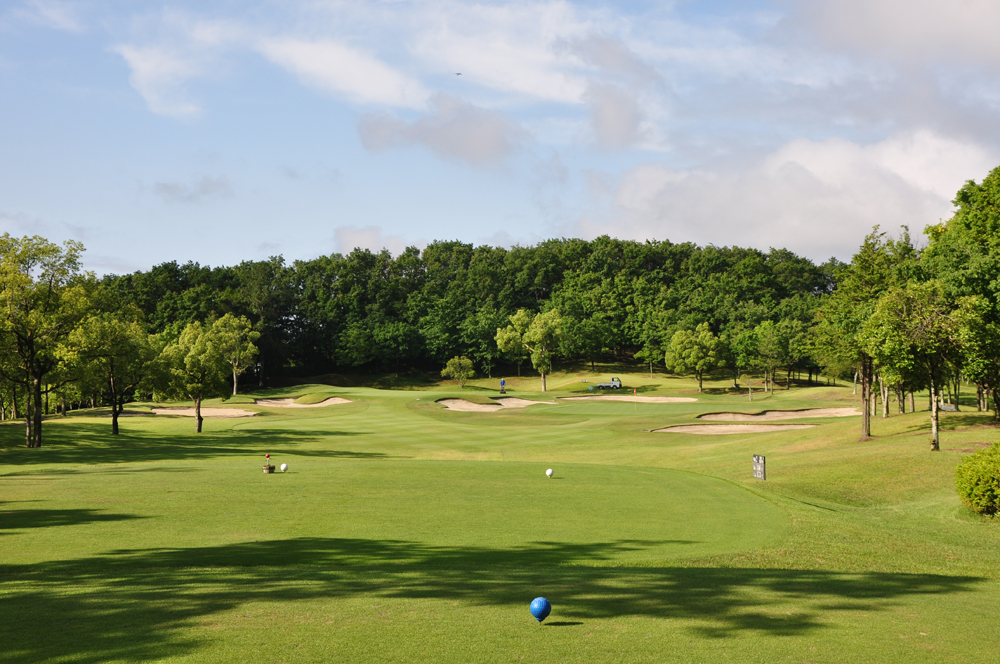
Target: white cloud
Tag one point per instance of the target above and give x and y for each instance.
(454, 129)
(615, 116)
(158, 75)
(201, 190)
(348, 238)
(910, 29)
(509, 48)
(815, 197)
(337, 68)
(614, 56)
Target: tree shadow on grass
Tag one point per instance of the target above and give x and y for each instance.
(161, 596)
(90, 443)
(948, 422)
(24, 519)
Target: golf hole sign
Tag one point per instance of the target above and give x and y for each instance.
(759, 467)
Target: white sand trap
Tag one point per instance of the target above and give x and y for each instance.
(290, 403)
(515, 402)
(772, 415)
(501, 402)
(468, 406)
(722, 429)
(632, 398)
(205, 412)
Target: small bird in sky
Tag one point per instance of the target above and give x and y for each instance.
(458, 73)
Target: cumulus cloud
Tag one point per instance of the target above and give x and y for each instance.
(158, 75)
(614, 56)
(511, 48)
(337, 68)
(348, 238)
(815, 197)
(615, 116)
(454, 129)
(204, 189)
(910, 29)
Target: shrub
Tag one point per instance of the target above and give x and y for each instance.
(977, 479)
(459, 368)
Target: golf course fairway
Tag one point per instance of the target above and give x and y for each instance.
(404, 531)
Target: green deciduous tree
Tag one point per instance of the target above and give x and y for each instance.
(913, 327)
(193, 367)
(587, 338)
(693, 351)
(540, 335)
(234, 338)
(114, 351)
(43, 296)
(879, 265)
(459, 369)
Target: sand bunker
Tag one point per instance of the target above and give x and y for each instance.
(772, 415)
(290, 403)
(632, 398)
(722, 429)
(501, 402)
(515, 402)
(468, 406)
(205, 412)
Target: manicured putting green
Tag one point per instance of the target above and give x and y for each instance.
(586, 515)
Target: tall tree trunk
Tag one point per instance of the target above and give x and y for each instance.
(650, 369)
(958, 393)
(855, 391)
(913, 403)
(29, 439)
(699, 381)
(13, 401)
(114, 401)
(37, 414)
(900, 400)
(935, 439)
(884, 393)
(197, 412)
(865, 371)
(235, 379)
(788, 380)
(543, 383)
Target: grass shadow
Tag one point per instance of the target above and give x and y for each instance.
(162, 594)
(88, 443)
(24, 519)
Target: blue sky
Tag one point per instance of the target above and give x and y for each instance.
(226, 131)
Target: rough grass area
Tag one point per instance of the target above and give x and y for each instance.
(407, 532)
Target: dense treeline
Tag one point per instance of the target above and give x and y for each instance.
(899, 318)
(375, 312)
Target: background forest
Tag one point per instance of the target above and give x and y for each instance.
(898, 318)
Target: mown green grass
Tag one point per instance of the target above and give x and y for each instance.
(407, 532)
